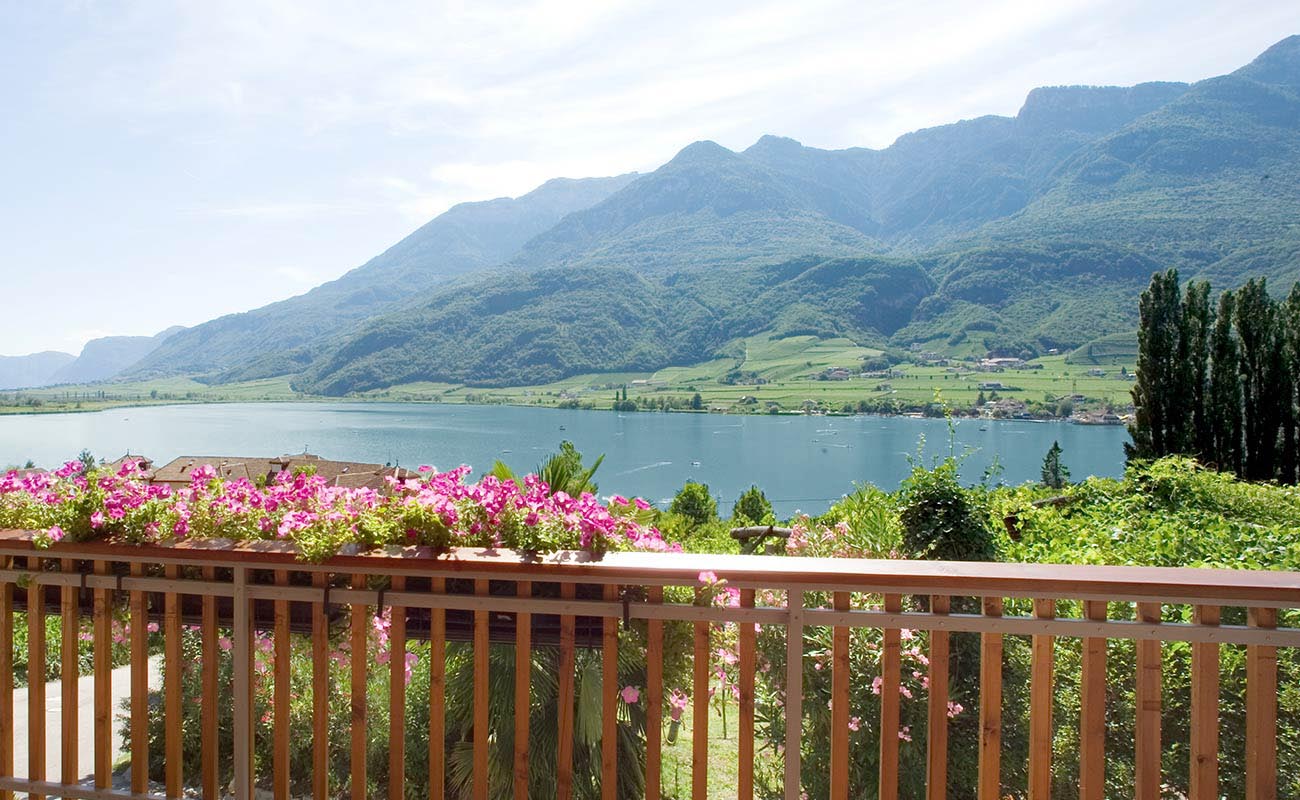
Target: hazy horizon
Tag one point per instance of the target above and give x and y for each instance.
(170, 165)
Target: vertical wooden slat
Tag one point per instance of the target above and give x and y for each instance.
(609, 702)
(1092, 709)
(1147, 760)
(1261, 711)
(358, 661)
(397, 697)
(700, 712)
(437, 696)
(35, 679)
(172, 713)
(242, 688)
(280, 729)
(990, 745)
(1040, 706)
(7, 679)
(890, 673)
(320, 692)
(523, 694)
(840, 704)
(745, 731)
(103, 662)
(564, 756)
(794, 694)
(654, 708)
(208, 717)
(139, 636)
(69, 675)
(936, 780)
(1204, 768)
(481, 696)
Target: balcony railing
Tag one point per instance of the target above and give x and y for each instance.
(568, 601)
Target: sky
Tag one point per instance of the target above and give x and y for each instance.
(166, 163)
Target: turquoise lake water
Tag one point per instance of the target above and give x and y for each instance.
(802, 463)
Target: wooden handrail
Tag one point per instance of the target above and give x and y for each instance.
(1190, 585)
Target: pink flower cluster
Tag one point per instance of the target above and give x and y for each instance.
(438, 509)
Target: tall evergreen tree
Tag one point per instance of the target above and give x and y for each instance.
(1055, 474)
(1194, 346)
(1289, 331)
(1261, 383)
(1224, 401)
(1159, 400)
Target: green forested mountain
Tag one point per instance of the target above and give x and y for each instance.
(533, 327)
(280, 338)
(1025, 233)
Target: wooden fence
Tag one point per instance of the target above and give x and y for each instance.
(242, 588)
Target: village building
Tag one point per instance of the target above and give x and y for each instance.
(178, 472)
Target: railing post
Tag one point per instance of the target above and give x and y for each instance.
(1261, 710)
(241, 651)
(6, 679)
(793, 692)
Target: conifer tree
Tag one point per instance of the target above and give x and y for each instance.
(1055, 474)
(1194, 346)
(1261, 379)
(1224, 398)
(1160, 422)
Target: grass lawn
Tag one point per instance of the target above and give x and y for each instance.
(724, 756)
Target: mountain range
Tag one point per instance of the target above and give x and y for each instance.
(100, 360)
(997, 233)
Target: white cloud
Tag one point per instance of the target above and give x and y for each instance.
(311, 133)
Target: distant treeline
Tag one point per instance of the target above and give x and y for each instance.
(1220, 384)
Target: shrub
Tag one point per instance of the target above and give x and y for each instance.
(694, 502)
(753, 508)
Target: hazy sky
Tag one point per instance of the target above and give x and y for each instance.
(165, 163)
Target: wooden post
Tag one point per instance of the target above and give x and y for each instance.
(990, 756)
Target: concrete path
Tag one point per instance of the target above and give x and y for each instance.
(85, 721)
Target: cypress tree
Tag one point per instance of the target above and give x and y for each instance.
(1289, 332)
(1158, 394)
(1261, 359)
(1224, 401)
(1194, 344)
(1055, 474)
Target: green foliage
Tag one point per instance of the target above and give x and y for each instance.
(942, 521)
(694, 502)
(753, 508)
(562, 471)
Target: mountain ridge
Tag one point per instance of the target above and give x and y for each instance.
(1031, 231)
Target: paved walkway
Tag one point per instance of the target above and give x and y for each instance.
(85, 721)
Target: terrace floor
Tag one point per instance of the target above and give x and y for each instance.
(121, 682)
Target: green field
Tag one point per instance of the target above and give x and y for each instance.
(96, 397)
(785, 372)
(764, 375)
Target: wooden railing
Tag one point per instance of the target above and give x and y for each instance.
(240, 589)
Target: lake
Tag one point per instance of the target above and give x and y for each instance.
(803, 463)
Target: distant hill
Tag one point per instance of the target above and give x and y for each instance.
(1018, 234)
(544, 325)
(280, 338)
(30, 371)
(104, 358)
